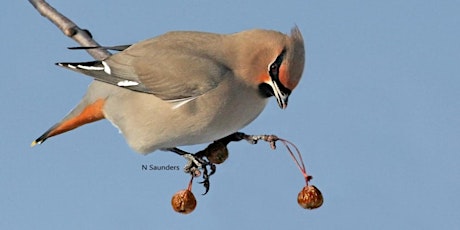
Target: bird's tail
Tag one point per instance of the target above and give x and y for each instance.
(82, 114)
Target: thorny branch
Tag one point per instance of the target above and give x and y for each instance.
(69, 28)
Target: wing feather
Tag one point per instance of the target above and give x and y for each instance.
(169, 68)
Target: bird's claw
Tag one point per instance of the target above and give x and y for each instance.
(194, 166)
(205, 181)
(253, 139)
(197, 165)
(193, 163)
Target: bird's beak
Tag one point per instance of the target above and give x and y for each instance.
(281, 97)
(283, 101)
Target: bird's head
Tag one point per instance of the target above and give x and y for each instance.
(276, 62)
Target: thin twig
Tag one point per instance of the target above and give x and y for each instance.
(272, 139)
(69, 28)
(300, 164)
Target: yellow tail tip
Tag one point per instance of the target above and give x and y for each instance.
(33, 143)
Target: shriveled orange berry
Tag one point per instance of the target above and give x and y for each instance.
(310, 197)
(183, 201)
(217, 153)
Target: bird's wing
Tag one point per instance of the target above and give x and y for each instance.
(168, 72)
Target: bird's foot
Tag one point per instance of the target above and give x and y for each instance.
(203, 163)
(252, 139)
(197, 165)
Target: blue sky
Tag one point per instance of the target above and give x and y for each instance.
(376, 116)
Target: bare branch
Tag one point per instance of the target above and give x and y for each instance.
(69, 28)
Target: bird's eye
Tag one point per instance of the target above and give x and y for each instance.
(275, 66)
(274, 69)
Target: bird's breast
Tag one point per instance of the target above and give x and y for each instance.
(149, 123)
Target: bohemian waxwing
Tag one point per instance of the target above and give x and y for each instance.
(185, 88)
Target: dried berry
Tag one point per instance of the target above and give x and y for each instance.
(310, 197)
(217, 153)
(183, 201)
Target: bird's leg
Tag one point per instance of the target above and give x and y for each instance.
(194, 163)
(197, 162)
(252, 139)
(219, 147)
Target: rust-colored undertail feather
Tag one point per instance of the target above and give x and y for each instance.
(90, 113)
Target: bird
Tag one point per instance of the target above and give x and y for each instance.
(186, 87)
